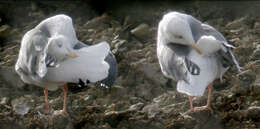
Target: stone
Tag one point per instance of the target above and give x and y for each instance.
(22, 105)
(141, 97)
(5, 92)
(4, 100)
(253, 112)
(141, 32)
(236, 23)
(57, 120)
(119, 43)
(152, 73)
(256, 90)
(137, 106)
(4, 30)
(240, 89)
(257, 27)
(257, 82)
(152, 110)
(10, 77)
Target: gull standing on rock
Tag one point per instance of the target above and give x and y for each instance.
(51, 56)
(191, 52)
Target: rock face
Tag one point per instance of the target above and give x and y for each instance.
(142, 98)
(9, 77)
(142, 31)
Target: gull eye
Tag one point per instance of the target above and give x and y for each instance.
(59, 45)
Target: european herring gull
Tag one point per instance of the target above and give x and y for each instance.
(51, 56)
(191, 53)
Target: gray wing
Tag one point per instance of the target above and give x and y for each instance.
(113, 71)
(31, 60)
(199, 29)
(226, 51)
(80, 45)
(175, 64)
(110, 59)
(196, 28)
(209, 30)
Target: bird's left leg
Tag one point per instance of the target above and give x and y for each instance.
(191, 105)
(207, 106)
(63, 111)
(47, 109)
(65, 92)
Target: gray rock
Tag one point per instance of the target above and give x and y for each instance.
(153, 73)
(257, 81)
(149, 70)
(256, 90)
(4, 100)
(5, 92)
(119, 43)
(240, 89)
(10, 77)
(137, 106)
(22, 105)
(166, 99)
(236, 24)
(257, 27)
(4, 30)
(61, 121)
(253, 112)
(141, 32)
(152, 110)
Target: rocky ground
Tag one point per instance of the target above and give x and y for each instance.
(142, 98)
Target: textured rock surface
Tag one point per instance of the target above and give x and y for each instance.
(142, 98)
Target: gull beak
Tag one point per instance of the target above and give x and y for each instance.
(196, 47)
(72, 54)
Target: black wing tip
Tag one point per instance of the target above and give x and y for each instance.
(81, 83)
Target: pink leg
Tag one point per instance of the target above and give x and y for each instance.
(191, 105)
(209, 95)
(65, 91)
(207, 106)
(46, 100)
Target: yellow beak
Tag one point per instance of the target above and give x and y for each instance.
(197, 48)
(72, 54)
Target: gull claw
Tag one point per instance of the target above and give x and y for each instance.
(60, 112)
(203, 108)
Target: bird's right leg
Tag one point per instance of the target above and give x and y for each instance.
(191, 105)
(46, 100)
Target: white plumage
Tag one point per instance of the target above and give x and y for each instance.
(209, 45)
(47, 57)
(209, 71)
(37, 45)
(90, 65)
(191, 53)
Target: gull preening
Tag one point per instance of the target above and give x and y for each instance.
(51, 56)
(191, 53)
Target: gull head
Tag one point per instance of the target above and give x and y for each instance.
(176, 29)
(59, 47)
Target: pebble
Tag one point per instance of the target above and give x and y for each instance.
(22, 105)
(141, 31)
(4, 100)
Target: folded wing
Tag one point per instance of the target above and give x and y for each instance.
(218, 43)
(90, 65)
